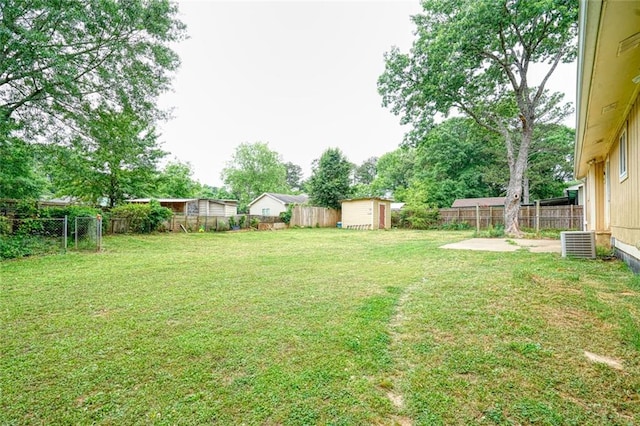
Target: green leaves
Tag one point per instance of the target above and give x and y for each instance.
(330, 179)
(115, 159)
(59, 58)
(253, 170)
(475, 57)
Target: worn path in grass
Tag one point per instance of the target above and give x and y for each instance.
(316, 327)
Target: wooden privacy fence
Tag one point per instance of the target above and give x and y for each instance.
(532, 217)
(314, 216)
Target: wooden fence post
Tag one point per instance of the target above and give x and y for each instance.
(571, 216)
(537, 216)
(478, 218)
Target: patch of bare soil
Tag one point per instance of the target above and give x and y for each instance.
(602, 359)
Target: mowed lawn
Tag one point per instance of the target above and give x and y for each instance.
(316, 326)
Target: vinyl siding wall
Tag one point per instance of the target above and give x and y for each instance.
(625, 194)
(365, 212)
(357, 213)
(208, 208)
(275, 207)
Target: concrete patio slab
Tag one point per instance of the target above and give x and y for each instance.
(507, 244)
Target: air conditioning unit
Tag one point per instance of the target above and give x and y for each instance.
(578, 244)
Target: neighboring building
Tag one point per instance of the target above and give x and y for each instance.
(270, 204)
(195, 206)
(607, 152)
(211, 207)
(366, 213)
(396, 207)
(576, 192)
(482, 202)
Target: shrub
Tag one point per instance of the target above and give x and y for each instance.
(158, 215)
(419, 217)
(5, 226)
(286, 215)
(222, 226)
(12, 247)
(143, 218)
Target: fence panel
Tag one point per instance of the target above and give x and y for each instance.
(549, 217)
(37, 236)
(87, 233)
(322, 217)
(27, 237)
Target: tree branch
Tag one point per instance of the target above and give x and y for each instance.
(556, 61)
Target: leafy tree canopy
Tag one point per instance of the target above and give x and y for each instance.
(476, 57)
(175, 180)
(452, 161)
(61, 59)
(116, 159)
(208, 191)
(330, 179)
(294, 176)
(253, 170)
(365, 173)
(18, 178)
(394, 172)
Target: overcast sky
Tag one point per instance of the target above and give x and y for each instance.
(299, 75)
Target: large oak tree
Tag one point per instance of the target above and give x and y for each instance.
(61, 60)
(476, 57)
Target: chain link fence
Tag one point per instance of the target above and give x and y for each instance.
(87, 233)
(40, 236)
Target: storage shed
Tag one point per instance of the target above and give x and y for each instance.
(366, 213)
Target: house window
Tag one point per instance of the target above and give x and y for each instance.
(266, 212)
(623, 148)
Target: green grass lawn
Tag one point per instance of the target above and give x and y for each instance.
(316, 326)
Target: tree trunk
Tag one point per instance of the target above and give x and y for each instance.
(512, 208)
(525, 190)
(517, 170)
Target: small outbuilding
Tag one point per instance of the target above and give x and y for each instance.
(366, 213)
(195, 206)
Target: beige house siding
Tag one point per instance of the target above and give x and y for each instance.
(275, 207)
(607, 101)
(625, 222)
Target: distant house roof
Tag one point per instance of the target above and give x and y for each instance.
(365, 198)
(162, 200)
(482, 202)
(285, 199)
(182, 200)
(397, 206)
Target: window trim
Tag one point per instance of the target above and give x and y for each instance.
(623, 154)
